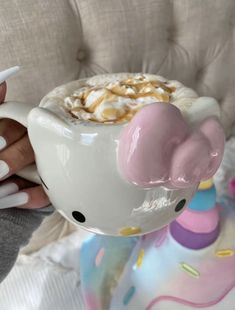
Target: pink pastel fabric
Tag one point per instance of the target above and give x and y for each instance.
(232, 187)
(198, 221)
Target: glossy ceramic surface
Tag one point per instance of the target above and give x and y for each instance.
(125, 179)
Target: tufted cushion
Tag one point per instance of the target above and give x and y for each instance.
(61, 40)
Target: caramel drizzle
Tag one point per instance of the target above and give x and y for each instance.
(162, 97)
(141, 84)
(119, 91)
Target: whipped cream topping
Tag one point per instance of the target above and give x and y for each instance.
(115, 98)
(118, 98)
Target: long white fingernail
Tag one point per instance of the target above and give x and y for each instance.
(14, 200)
(3, 143)
(4, 75)
(4, 169)
(8, 189)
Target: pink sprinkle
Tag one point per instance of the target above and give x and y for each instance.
(99, 257)
(91, 302)
(232, 187)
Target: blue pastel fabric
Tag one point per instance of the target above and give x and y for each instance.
(203, 200)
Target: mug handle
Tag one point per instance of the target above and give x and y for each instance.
(19, 111)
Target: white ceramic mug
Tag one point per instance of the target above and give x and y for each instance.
(119, 179)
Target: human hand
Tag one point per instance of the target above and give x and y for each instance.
(15, 154)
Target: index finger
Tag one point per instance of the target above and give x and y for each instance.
(16, 157)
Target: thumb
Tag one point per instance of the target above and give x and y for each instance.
(3, 90)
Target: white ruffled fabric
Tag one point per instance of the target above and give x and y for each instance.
(226, 171)
(53, 228)
(48, 279)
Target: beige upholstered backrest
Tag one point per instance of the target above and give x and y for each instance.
(57, 41)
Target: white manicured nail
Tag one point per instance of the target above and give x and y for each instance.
(8, 189)
(4, 75)
(14, 200)
(3, 143)
(4, 169)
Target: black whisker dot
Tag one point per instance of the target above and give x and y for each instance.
(180, 205)
(78, 216)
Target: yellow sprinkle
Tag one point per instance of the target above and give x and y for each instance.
(128, 231)
(224, 253)
(140, 258)
(190, 270)
(205, 184)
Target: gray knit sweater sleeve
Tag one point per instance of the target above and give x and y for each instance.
(16, 228)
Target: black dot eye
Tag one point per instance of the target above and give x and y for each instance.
(180, 205)
(78, 216)
(43, 182)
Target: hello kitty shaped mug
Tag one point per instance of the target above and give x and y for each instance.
(127, 178)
